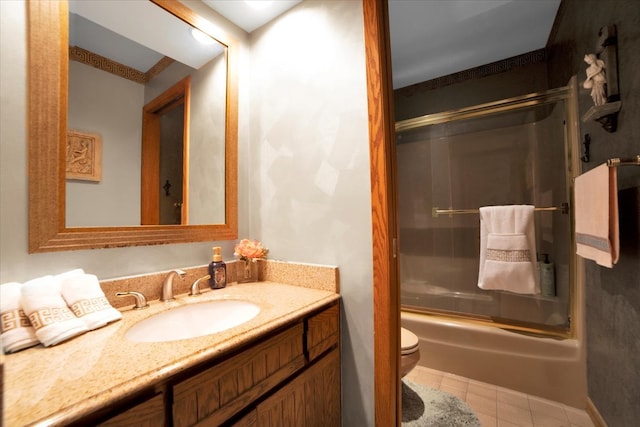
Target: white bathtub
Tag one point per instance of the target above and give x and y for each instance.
(546, 367)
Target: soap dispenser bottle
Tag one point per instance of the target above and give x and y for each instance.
(547, 277)
(217, 270)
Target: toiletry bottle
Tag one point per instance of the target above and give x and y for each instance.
(547, 279)
(217, 270)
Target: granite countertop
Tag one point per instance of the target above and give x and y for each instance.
(60, 384)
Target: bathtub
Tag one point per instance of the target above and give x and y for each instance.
(550, 368)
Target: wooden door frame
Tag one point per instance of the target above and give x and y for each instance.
(386, 295)
(177, 94)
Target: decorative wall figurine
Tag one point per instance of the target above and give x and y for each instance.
(604, 84)
(596, 79)
(84, 156)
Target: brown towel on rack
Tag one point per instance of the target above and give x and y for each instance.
(596, 199)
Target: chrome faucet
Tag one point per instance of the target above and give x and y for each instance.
(195, 288)
(167, 285)
(141, 301)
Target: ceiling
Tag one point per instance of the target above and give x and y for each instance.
(433, 38)
(250, 14)
(429, 38)
(136, 33)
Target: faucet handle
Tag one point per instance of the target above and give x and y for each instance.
(195, 288)
(141, 301)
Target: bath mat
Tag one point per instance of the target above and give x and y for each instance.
(423, 406)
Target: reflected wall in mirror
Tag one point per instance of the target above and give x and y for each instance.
(51, 227)
(124, 85)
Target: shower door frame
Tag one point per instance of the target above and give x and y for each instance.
(569, 95)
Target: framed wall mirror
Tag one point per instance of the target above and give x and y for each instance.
(147, 193)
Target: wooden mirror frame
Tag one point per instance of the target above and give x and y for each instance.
(48, 62)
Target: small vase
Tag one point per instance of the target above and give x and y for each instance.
(247, 271)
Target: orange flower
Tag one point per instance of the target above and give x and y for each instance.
(250, 249)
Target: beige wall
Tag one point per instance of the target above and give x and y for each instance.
(119, 125)
(310, 195)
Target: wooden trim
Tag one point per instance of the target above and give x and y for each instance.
(594, 414)
(186, 144)
(482, 71)
(150, 170)
(158, 68)
(178, 94)
(48, 63)
(105, 64)
(116, 68)
(47, 120)
(386, 313)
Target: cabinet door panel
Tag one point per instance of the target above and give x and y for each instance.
(225, 389)
(312, 399)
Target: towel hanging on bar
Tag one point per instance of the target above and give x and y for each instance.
(435, 212)
(596, 215)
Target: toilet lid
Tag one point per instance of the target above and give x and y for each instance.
(408, 341)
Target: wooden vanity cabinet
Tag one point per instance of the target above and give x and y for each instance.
(291, 378)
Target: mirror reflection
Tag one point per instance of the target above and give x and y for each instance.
(146, 118)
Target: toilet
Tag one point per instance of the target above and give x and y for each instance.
(409, 352)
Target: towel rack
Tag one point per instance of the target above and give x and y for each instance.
(435, 212)
(633, 161)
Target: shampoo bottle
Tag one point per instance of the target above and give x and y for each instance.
(217, 270)
(547, 278)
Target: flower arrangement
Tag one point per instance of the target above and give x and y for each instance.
(250, 250)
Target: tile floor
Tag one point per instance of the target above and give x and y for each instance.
(501, 407)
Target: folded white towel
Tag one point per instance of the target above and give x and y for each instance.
(58, 278)
(596, 200)
(87, 301)
(52, 320)
(17, 332)
(508, 249)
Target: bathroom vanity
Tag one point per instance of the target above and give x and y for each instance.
(281, 367)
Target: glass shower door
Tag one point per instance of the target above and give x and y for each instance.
(447, 170)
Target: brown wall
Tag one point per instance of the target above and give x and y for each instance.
(612, 295)
(527, 76)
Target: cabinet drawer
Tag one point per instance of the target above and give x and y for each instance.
(214, 395)
(323, 331)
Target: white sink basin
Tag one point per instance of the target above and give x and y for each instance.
(194, 320)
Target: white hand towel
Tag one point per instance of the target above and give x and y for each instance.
(52, 320)
(508, 249)
(71, 273)
(87, 301)
(17, 332)
(596, 200)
